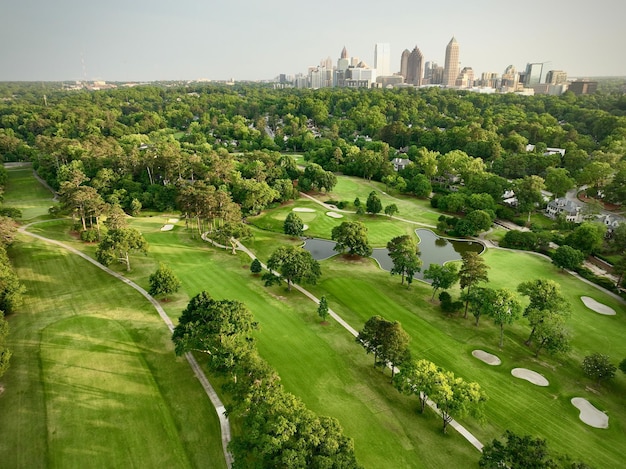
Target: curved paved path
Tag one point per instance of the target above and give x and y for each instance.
(454, 424)
(206, 385)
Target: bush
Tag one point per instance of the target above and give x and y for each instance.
(10, 212)
(89, 236)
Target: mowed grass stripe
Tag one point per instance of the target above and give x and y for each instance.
(24, 193)
(321, 364)
(171, 422)
(97, 388)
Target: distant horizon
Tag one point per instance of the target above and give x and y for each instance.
(147, 41)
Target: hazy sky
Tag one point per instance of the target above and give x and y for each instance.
(125, 40)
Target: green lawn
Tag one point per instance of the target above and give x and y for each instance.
(93, 380)
(22, 192)
(323, 364)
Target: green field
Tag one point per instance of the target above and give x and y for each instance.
(320, 363)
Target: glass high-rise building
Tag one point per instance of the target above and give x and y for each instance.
(382, 59)
(452, 64)
(415, 67)
(533, 74)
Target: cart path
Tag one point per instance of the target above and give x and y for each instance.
(206, 385)
(454, 424)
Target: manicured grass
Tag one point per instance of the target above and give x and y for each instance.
(93, 380)
(23, 193)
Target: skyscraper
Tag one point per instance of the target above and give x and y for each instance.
(415, 67)
(451, 65)
(533, 74)
(556, 77)
(404, 64)
(382, 59)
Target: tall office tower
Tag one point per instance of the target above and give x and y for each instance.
(556, 77)
(344, 53)
(451, 66)
(382, 59)
(510, 79)
(533, 74)
(465, 78)
(415, 67)
(327, 63)
(404, 63)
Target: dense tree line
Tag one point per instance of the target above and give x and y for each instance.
(279, 430)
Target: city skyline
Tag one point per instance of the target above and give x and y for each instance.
(244, 40)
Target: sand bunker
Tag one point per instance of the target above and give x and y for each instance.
(303, 209)
(529, 375)
(168, 227)
(305, 227)
(334, 215)
(589, 414)
(173, 220)
(597, 307)
(487, 357)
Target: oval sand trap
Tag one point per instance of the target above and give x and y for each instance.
(173, 220)
(305, 227)
(529, 375)
(334, 215)
(589, 414)
(167, 227)
(487, 357)
(303, 209)
(597, 307)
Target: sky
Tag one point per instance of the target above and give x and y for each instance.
(147, 40)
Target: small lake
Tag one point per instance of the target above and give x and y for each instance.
(434, 249)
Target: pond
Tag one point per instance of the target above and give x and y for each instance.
(433, 250)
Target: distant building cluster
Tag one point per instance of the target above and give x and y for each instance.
(350, 72)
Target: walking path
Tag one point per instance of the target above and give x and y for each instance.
(454, 424)
(206, 385)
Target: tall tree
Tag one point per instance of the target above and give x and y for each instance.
(558, 181)
(552, 336)
(370, 337)
(567, 257)
(117, 244)
(373, 204)
(395, 345)
(504, 308)
(294, 264)
(163, 281)
(322, 308)
(405, 256)
(545, 299)
(473, 271)
(417, 378)
(442, 276)
(528, 193)
(220, 328)
(517, 452)
(293, 225)
(456, 397)
(351, 235)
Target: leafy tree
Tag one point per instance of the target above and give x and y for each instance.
(442, 276)
(456, 397)
(294, 264)
(11, 290)
(566, 257)
(5, 353)
(357, 202)
(116, 218)
(480, 301)
(546, 299)
(163, 281)
(528, 193)
(504, 308)
(622, 365)
(417, 378)
(517, 452)
(598, 367)
(404, 254)
(373, 204)
(370, 337)
(473, 271)
(256, 267)
(351, 235)
(117, 244)
(551, 335)
(391, 210)
(558, 181)
(587, 237)
(293, 225)
(394, 349)
(232, 232)
(322, 309)
(420, 186)
(474, 222)
(220, 328)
